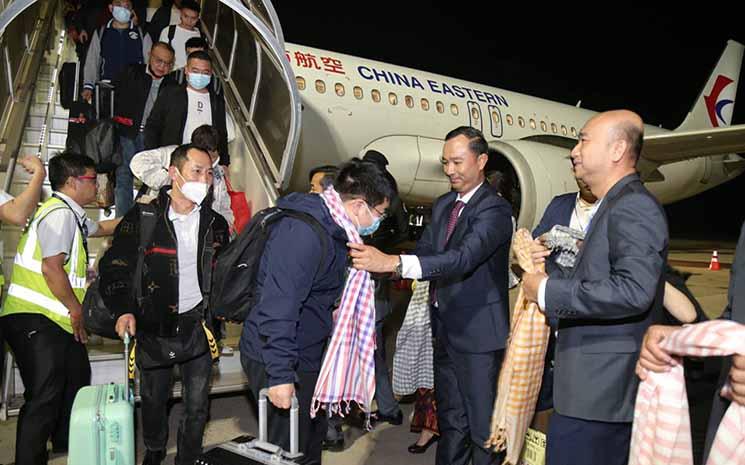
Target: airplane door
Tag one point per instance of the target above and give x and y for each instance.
(247, 40)
(474, 116)
(495, 121)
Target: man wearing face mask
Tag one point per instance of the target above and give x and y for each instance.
(301, 276)
(170, 323)
(114, 46)
(180, 109)
(151, 167)
(137, 88)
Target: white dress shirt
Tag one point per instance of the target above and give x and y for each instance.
(187, 243)
(411, 268)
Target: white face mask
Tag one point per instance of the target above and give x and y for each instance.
(193, 190)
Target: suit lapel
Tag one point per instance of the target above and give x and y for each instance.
(607, 200)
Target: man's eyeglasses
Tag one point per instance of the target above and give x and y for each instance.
(160, 62)
(382, 215)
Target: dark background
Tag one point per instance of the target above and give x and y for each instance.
(653, 59)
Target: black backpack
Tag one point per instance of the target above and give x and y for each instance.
(98, 319)
(234, 278)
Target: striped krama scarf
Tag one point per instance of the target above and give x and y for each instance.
(348, 370)
(522, 369)
(661, 433)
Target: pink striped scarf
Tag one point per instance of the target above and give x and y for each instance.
(661, 433)
(348, 370)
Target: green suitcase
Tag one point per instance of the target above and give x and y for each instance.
(102, 424)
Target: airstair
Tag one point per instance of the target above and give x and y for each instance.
(247, 42)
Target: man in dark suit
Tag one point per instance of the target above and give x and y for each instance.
(464, 252)
(607, 301)
(572, 210)
(654, 358)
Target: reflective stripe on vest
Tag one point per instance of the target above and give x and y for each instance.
(28, 291)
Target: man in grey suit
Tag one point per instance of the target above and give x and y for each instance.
(607, 301)
(654, 358)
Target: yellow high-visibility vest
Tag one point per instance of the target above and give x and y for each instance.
(28, 291)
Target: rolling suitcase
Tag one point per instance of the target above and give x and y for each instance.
(102, 422)
(246, 450)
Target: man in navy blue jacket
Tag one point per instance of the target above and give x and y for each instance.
(286, 333)
(464, 252)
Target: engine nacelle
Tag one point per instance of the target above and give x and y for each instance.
(541, 171)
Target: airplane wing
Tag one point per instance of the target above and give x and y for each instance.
(675, 146)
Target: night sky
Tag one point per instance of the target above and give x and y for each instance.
(653, 59)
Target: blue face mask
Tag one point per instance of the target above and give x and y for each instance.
(368, 230)
(121, 14)
(198, 81)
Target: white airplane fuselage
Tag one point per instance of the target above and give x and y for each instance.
(352, 104)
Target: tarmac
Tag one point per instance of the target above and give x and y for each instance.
(234, 415)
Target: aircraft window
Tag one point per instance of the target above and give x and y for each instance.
(409, 101)
(339, 87)
(392, 98)
(357, 92)
(553, 128)
(440, 107)
(375, 95)
(521, 121)
(425, 104)
(509, 120)
(454, 109)
(544, 127)
(495, 118)
(574, 132)
(320, 86)
(475, 113)
(563, 130)
(300, 82)
(532, 123)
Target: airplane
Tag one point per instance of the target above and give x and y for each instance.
(351, 105)
(299, 107)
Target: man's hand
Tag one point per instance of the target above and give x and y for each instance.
(281, 395)
(652, 356)
(737, 379)
(78, 329)
(32, 164)
(531, 283)
(539, 251)
(87, 95)
(126, 324)
(368, 258)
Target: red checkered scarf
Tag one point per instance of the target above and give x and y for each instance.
(348, 370)
(661, 433)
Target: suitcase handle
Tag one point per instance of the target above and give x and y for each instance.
(294, 426)
(128, 394)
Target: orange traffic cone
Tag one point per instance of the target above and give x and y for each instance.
(714, 264)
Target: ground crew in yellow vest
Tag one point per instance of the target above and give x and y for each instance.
(42, 313)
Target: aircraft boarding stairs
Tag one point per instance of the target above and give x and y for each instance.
(44, 134)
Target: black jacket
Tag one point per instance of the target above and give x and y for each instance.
(167, 120)
(289, 327)
(159, 313)
(132, 89)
